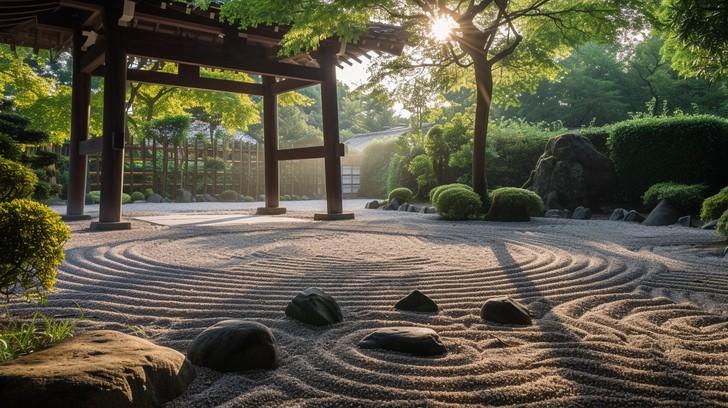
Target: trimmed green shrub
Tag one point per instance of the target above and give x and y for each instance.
(685, 197)
(94, 196)
(375, 160)
(9, 149)
(714, 206)
(247, 199)
(514, 204)
(228, 195)
(16, 180)
(458, 203)
(29, 261)
(125, 198)
(402, 194)
(435, 192)
(683, 149)
(137, 196)
(722, 226)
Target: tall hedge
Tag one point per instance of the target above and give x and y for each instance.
(682, 149)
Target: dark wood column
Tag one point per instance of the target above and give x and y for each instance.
(80, 110)
(112, 152)
(270, 135)
(332, 158)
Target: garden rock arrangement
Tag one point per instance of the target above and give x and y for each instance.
(412, 340)
(314, 306)
(96, 369)
(505, 311)
(417, 302)
(581, 213)
(571, 172)
(664, 214)
(234, 345)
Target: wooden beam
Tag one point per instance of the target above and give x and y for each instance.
(90, 146)
(290, 85)
(196, 82)
(302, 153)
(93, 58)
(182, 50)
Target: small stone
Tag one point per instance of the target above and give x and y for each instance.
(505, 311)
(393, 205)
(412, 340)
(618, 214)
(154, 198)
(431, 210)
(314, 306)
(403, 207)
(686, 221)
(417, 302)
(423, 209)
(101, 368)
(234, 345)
(664, 214)
(634, 216)
(710, 225)
(581, 213)
(556, 213)
(372, 205)
(412, 208)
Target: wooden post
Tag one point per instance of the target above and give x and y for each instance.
(330, 117)
(80, 110)
(270, 136)
(112, 153)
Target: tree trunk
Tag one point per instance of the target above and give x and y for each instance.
(484, 84)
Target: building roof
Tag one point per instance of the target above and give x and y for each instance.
(362, 140)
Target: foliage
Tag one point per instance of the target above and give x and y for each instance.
(402, 194)
(215, 164)
(514, 204)
(457, 203)
(442, 141)
(722, 226)
(18, 338)
(421, 168)
(16, 180)
(125, 198)
(398, 173)
(94, 196)
(29, 261)
(373, 171)
(9, 149)
(714, 206)
(137, 196)
(229, 195)
(437, 191)
(248, 199)
(682, 149)
(169, 129)
(687, 198)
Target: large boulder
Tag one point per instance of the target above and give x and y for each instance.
(412, 340)
(572, 173)
(154, 198)
(183, 196)
(664, 214)
(234, 345)
(505, 311)
(96, 369)
(314, 306)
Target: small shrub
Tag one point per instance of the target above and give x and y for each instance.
(435, 192)
(228, 195)
(286, 197)
(94, 196)
(247, 199)
(685, 197)
(722, 226)
(514, 204)
(458, 203)
(402, 194)
(125, 198)
(148, 192)
(137, 196)
(714, 206)
(16, 180)
(29, 261)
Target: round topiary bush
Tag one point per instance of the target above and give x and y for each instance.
(137, 196)
(435, 192)
(29, 261)
(714, 206)
(683, 196)
(125, 198)
(16, 180)
(228, 195)
(514, 204)
(402, 194)
(458, 203)
(722, 226)
(247, 199)
(93, 196)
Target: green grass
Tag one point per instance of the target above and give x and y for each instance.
(19, 337)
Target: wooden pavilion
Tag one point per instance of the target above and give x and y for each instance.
(102, 34)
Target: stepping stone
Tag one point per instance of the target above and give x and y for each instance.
(417, 302)
(101, 368)
(412, 340)
(664, 214)
(505, 311)
(234, 345)
(314, 306)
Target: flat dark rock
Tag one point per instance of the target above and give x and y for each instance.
(314, 306)
(412, 340)
(234, 345)
(664, 214)
(417, 302)
(505, 311)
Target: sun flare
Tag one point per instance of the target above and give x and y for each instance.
(442, 27)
